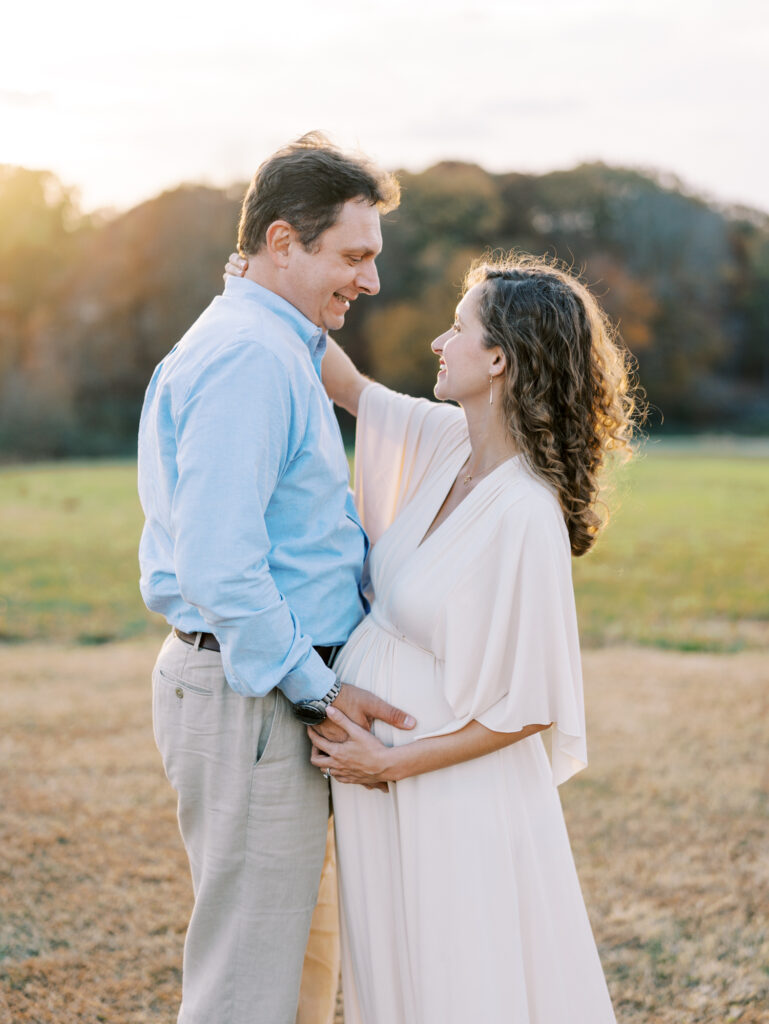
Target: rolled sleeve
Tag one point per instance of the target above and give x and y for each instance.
(235, 432)
(308, 681)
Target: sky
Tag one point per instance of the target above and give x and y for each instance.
(124, 101)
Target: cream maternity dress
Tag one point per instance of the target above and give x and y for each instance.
(460, 901)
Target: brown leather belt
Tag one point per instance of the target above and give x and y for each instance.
(207, 640)
(210, 643)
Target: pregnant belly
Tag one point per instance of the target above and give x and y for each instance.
(378, 659)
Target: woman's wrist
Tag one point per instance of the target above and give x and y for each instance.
(396, 763)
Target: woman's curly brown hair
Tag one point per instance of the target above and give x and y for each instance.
(569, 395)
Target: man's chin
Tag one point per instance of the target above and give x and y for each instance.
(333, 322)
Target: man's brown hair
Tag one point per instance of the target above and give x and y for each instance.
(306, 183)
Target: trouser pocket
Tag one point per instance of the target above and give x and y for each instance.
(266, 712)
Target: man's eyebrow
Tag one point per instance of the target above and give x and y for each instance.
(361, 251)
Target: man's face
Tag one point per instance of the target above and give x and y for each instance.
(340, 266)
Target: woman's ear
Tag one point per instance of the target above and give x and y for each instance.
(498, 362)
(279, 237)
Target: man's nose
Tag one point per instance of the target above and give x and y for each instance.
(368, 279)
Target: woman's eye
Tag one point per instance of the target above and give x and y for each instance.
(455, 326)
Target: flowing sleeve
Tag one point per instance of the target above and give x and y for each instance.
(508, 635)
(398, 440)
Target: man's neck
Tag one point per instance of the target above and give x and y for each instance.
(262, 271)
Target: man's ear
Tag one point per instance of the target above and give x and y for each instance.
(279, 238)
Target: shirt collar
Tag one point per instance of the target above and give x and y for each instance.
(312, 335)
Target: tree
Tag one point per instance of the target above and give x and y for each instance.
(41, 227)
(88, 307)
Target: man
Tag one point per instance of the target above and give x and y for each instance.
(252, 550)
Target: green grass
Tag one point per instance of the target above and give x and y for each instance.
(68, 565)
(684, 562)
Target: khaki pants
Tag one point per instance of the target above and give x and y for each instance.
(253, 814)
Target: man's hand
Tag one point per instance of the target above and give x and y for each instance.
(363, 708)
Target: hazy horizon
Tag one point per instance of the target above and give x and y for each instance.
(665, 176)
(175, 95)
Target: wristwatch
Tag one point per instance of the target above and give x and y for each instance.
(312, 712)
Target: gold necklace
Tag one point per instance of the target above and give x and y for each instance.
(469, 477)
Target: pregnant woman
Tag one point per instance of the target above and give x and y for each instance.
(460, 900)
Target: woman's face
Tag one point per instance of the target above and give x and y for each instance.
(465, 362)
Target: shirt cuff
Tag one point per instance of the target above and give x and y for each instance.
(309, 681)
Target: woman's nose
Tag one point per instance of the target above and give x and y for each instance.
(437, 345)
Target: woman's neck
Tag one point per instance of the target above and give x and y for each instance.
(489, 437)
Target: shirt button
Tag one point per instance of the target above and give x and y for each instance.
(179, 692)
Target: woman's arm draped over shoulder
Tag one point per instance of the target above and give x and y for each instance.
(398, 441)
(342, 379)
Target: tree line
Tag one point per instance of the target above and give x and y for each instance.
(89, 304)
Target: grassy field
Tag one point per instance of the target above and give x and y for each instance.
(669, 824)
(683, 564)
(68, 567)
(669, 827)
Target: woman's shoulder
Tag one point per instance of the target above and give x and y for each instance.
(528, 500)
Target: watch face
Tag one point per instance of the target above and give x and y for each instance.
(310, 713)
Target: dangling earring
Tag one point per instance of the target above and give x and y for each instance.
(491, 390)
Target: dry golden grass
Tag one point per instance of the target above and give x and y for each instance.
(670, 829)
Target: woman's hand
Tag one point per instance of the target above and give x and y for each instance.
(363, 759)
(236, 266)
(360, 759)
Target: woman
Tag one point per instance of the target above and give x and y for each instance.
(460, 901)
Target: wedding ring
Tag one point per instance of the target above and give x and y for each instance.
(326, 774)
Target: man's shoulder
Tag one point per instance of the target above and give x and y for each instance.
(243, 332)
(227, 339)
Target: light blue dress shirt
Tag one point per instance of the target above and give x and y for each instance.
(251, 533)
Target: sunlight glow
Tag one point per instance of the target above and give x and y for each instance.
(173, 93)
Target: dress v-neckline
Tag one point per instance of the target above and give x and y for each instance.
(428, 533)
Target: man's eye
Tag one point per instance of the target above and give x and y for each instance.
(455, 326)
(354, 259)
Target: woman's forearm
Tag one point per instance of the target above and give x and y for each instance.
(364, 760)
(428, 755)
(341, 378)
